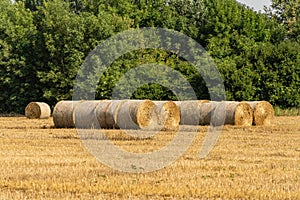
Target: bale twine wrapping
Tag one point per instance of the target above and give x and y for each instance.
(137, 114)
(238, 113)
(190, 111)
(84, 115)
(168, 114)
(37, 110)
(63, 114)
(263, 113)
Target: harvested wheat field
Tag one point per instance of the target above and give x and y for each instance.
(40, 162)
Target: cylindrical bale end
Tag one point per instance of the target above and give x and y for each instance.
(238, 113)
(226, 112)
(168, 115)
(137, 114)
(263, 113)
(37, 110)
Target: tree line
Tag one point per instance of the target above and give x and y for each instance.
(43, 43)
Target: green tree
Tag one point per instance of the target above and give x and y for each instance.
(18, 78)
(65, 39)
(44, 42)
(287, 13)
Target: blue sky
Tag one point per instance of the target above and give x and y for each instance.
(256, 4)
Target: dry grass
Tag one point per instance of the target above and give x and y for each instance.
(40, 162)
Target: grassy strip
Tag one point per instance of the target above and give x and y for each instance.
(287, 111)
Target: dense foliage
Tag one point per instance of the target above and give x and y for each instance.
(43, 44)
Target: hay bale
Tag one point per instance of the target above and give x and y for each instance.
(168, 114)
(263, 113)
(137, 114)
(238, 113)
(63, 114)
(84, 115)
(101, 111)
(112, 113)
(190, 111)
(106, 113)
(206, 111)
(235, 113)
(37, 110)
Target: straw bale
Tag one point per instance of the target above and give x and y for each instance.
(37, 110)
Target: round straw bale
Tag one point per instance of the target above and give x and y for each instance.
(101, 111)
(263, 112)
(37, 110)
(206, 111)
(63, 114)
(112, 113)
(238, 113)
(168, 114)
(190, 111)
(137, 114)
(84, 115)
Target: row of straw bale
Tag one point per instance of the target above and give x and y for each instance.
(146, 114)
(114, 114)
(217, 113)
(244, 113)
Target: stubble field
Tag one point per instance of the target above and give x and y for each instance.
(40, 162)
